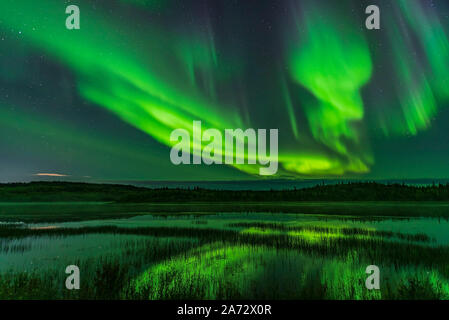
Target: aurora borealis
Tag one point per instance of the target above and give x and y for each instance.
(101, 102)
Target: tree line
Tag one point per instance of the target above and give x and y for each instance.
(347, 191)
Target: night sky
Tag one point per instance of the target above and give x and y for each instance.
(99, 103)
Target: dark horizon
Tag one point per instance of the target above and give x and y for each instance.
(255, 185)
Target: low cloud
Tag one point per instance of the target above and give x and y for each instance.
(50, 175)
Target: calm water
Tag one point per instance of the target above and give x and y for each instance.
(436, 228)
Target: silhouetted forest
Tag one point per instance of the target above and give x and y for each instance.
(351, 191)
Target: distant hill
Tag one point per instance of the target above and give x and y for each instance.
(269, 184)
(352, 191)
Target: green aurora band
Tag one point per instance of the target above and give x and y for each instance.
(421, 85)
(333, 70)
(163, 77)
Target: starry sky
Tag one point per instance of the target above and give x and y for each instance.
(99, 103)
